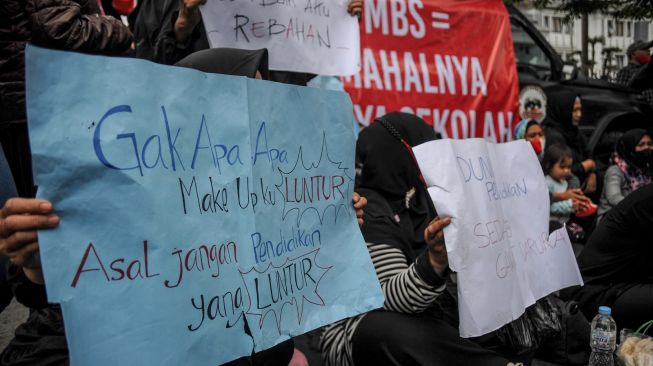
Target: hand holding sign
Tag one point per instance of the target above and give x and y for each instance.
(191, 5)
(359, 204)
(19, 220)
(187, 19)
(221, 209)
(434, 237)
(499, 242)
(308, 36)
(355, 7)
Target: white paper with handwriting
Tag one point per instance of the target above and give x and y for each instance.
(498, 240)
(317, 37)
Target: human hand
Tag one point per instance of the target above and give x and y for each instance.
(434, 237)
(19, 220)
(572, 193)
(190, 5)
(187, 18)
(589, 165)
(579, 204)
(590, 183)
(355, 8)
(359, 203)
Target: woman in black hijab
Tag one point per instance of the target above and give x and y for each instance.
(390, 179)
(405, 240)
(561, 126)
(631, 169)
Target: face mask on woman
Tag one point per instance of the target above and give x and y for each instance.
(644, 157)
(538, 145)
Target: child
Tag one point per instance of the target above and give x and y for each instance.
(557, 163)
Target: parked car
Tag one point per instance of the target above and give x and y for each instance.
(609, 109)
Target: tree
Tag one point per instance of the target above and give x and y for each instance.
(573, 58)
(610, 67)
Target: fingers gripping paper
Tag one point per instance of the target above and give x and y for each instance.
(202, 216)
(498, 240)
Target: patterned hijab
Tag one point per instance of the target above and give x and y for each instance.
(625, 158)
(522, 127)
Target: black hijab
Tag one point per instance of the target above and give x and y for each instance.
(559, 117)
(626, 144)
(231, 61)
(399, 208)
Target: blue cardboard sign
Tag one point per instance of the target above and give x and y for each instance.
(203, 216)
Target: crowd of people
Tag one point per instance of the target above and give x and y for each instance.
(614, 256)
(608, 212)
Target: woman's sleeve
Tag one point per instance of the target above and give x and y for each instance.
(155, 33)
(63, 24)
(25, 291)
(586, 153)
(613, 181)
(585, 147)
(407, 288)
(578, 170)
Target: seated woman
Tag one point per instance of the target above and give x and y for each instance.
(561, 127)
(405, 240)
(632, 168)
(616, 262)
(531, 131)
(41, 339)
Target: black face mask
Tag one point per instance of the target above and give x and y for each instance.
(644, 157)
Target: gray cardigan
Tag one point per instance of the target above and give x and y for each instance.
(615, 188)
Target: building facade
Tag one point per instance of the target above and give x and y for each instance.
(608, 38)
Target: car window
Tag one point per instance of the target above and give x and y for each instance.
(529, 56)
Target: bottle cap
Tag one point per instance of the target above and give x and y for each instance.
(605, 310)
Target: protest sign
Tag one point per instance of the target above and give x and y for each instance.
(193, 206)
(498, 240)
(449, 62)
(312, 36)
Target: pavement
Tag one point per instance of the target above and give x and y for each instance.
(14, 315)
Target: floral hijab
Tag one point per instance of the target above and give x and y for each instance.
(625, 158)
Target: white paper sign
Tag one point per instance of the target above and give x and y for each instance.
(314, 36)
(498, 240)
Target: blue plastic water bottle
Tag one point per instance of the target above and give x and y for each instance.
(603, 339)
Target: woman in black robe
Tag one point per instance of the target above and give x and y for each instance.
(418, 323)
(617, 262)
(561, 127)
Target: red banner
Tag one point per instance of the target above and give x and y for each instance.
(450, 62)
